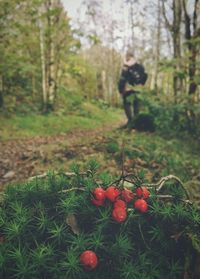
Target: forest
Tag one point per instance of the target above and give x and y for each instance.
(82, 193)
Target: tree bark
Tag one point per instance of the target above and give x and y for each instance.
(51, 56)
(43, 64)
(33, 83)
(192, 47)
(177, 45)
(132, 27)
(174, 29)
(1, 92)
(157, 54)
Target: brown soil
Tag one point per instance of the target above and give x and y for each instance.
(23, 158)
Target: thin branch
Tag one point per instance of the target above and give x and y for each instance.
(117, 181)
(159, 185)
(123, 159)
(124, 178)
(168, 25)
(67, 174)
(72, 189)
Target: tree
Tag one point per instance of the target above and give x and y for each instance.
(54, 39)
(158, 45)
(175, 28)
(35, 39)
(99, 32)
(132, 23)
(6, 22)
(192, 34)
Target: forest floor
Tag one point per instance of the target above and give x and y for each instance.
(149, 153)
(23, 158)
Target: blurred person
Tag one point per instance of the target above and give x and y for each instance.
(132, 77)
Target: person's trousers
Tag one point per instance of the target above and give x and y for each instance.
(131, 107)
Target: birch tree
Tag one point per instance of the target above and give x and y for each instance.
(157, 49)
(175, 30)
(42, 55)
(54, 41)
(51, 79)
(35, 39)
(6, 23)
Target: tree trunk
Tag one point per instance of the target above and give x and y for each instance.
(1, 92)
(192, 47)
(157, 54)
(33, 83)
(51, 62)
(110, 89)
(177, 45)
(43, 64)
(132, 28)
(174, 29)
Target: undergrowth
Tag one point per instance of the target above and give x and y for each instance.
(47, 223)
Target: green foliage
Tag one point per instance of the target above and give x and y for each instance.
(84, 76)
(24, 29)
(69, 116)
(170, 118)
(40, 239)
(112, 147)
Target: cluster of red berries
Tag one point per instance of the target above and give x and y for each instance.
(120, 199)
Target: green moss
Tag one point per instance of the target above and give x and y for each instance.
(47, 223)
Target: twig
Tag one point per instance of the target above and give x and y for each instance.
(126, 178)
(68, 174)
(135, 180)
(72, 189)
(123, 178)
(159, 185)
(123, 160)
(117, 181)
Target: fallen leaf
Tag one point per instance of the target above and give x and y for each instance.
(72, 222)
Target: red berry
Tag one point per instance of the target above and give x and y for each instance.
(120, 203)
(119, 214)
(89, 259)
(99, 193)
(128, 195)
(142, 192)
(112, 193)
(98, 202)
(141, 205)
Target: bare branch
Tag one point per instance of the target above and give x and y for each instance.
(68, 174)
(159, 185)
(72, 189)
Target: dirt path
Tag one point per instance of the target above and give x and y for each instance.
(23, 158)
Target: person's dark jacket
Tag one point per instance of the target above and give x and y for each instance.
(133, 74)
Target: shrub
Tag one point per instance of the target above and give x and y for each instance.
(46, 224)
